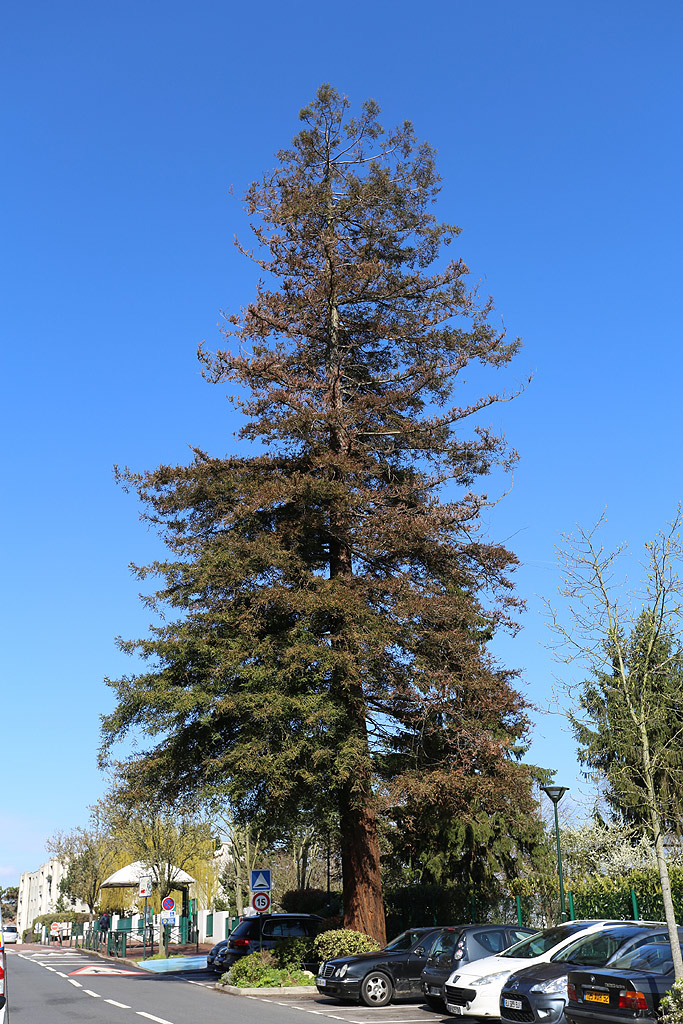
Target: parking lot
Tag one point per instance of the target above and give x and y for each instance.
(398, 1013)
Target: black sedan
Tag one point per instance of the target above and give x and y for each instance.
(377, 978)
(539, 993)
(460, 945)
(630, 988)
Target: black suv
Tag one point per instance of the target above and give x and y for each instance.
(262, 932)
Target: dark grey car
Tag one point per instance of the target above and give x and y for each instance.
(539, 993)
(459, 945)
(264, 932)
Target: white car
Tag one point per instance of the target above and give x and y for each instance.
(474, 990)
(10, 933)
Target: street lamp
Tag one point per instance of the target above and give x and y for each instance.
(555, 793)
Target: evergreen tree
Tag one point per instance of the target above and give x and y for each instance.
(605, 730)
(327, 610)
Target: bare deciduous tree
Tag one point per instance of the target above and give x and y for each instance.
(629, 639)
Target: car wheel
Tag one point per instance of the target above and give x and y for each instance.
(376, 989)
(435, 1003)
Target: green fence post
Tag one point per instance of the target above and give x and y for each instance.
(167, 935)
(184, 934)
(572, 912)
(123, 953)
(634, 901)
(518, 901)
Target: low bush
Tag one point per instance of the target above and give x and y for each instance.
(311, 901)
(671, 1006)
(342, 942)
(292, 954)
(260, 970)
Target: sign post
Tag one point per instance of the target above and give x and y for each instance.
(145, 890)
(260, 897)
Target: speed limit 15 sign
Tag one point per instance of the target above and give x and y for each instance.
(261, 902)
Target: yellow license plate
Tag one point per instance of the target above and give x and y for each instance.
(596, 997)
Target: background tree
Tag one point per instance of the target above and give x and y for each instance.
(630, 723)
(166, 837)
(653, 661)
(244, 847)
(89, 855)
(9, 897)
(323, 599)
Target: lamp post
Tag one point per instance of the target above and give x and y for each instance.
(555, 793)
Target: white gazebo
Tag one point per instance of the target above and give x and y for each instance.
(129, 878)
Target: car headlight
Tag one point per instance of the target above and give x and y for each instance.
(488, 979)
(341, 971)
(553, 987)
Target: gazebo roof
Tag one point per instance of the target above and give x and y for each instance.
(132, 873)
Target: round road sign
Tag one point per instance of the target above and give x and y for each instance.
(260, 901)
(168, 903)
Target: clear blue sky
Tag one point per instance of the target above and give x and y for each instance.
(559, 139)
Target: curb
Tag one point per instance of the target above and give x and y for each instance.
(282, 990)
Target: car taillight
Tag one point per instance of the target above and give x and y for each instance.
(240, 943)
(631, 1000)
(571, 991)
(2, 981)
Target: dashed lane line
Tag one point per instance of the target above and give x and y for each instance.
(150, 1016)
(89, 992)
(76, 984)
(124, 1006)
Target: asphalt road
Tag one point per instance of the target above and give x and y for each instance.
(43, 988)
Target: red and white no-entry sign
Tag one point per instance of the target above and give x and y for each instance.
(260, 901)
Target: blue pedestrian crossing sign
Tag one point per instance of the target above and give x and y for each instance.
(260, 880)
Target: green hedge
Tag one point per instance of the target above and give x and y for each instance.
(342, 942)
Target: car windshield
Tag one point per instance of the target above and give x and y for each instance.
(406, 940)
(540, 943)
(652, 958)
(445, 943)
(596, 949)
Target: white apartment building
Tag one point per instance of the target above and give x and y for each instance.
(39, 893)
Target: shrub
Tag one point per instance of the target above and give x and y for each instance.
(292, 954)
(342, 942)
(311, 901)
(671, 1006)
(260, 970)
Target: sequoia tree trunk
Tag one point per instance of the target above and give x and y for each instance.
(363, 907)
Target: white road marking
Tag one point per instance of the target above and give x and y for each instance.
(76, 983)
(96, 995)
(61, 974)
(150, 1016)
(124, 1006)
(48, 968)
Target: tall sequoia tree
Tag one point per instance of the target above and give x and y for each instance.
(325, 608)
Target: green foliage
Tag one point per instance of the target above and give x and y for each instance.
(260, 970)
(671, 1006)
(647, 678)
(295, 952)
(311, 901)
(9, 896)
(342, 942)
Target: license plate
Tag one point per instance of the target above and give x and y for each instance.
(434, 990)
(457, 1010)
(596, 997)
(321, 981)
(513, 1004)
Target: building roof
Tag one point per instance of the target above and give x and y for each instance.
(132, 873)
